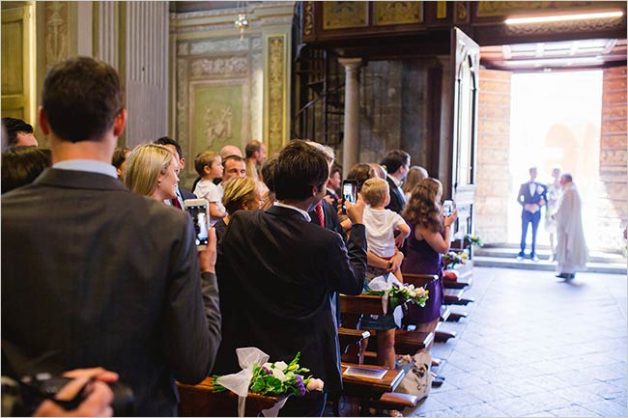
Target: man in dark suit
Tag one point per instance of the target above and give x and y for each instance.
(277, 272)
(93, 274)
(397, 163)
(531, 197)
(175, 148)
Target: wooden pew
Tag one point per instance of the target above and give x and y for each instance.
(201, 401)
(419, 279)
(360, 389)
(455, 297)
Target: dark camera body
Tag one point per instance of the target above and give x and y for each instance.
(33, 390)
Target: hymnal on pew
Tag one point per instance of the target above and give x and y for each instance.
(364, 372)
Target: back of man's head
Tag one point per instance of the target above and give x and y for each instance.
(81, 99)
(13, 127)
(251, 148)
(394, 159)
(298, 168)
(166, 140)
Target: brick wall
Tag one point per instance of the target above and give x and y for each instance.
(613, 198)
(493, 148)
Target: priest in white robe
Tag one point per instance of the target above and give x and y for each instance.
(571, 251)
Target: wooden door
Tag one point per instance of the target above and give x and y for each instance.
(465, 59)
(18, 72)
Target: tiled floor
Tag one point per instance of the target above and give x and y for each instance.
(535, 346)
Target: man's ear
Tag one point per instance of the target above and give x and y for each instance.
(43, 121)
(119, 123)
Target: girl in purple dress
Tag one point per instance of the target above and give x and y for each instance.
(430, 237)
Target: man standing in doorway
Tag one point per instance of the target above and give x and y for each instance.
(571, 251)
(531, 197)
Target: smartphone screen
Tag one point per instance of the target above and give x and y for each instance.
(448, 207)
(198, 210)
(349, 193)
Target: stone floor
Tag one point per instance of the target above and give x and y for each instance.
(535, 346)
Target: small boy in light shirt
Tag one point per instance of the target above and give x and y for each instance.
(381, 223)
(208, 165)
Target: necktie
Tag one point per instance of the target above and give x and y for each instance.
(320, 214)
(175, 203)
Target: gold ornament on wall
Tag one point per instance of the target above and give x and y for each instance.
(397, 12)
(345, 14)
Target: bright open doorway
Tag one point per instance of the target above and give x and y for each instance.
(555, 122)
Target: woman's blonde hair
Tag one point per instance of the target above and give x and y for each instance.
(238, 191)
(415, 175)
(423, 209)
(374, 191)
(144, 166)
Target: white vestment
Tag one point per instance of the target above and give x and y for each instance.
(571, 251)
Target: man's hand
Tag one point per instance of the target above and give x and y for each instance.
(207, 257)
(355, 212)
(97, 403)
(531, 207)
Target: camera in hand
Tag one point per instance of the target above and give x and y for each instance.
(33, 390)
(349, 193)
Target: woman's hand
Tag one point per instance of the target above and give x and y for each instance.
(207, 257)
(449, 220)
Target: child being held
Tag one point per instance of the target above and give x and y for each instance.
(381, 223)
(208, 165)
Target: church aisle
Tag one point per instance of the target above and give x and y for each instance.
(536, 346)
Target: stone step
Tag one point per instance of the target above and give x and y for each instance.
(545, 254)
(545, 265)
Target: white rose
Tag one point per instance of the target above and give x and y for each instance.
(279, 375)
(281, 365)
(315, 384)
(267, 365)
(411, 287)
(412, 294)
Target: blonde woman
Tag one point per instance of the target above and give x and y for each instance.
(152, 171)
(241, 193)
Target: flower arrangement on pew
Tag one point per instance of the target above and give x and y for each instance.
(453, 258)
(473, 240)
(279, 378)
(400, 294)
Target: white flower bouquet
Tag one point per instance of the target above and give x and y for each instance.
(278, 378)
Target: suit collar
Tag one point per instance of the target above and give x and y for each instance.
(78, 180)
(285, 213)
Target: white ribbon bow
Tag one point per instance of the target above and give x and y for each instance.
(239, 383)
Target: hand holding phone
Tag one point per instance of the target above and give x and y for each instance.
(349, 193)
(448, 207)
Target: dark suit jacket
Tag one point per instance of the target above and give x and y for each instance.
(397, 200)
(276, 275)
(524, 197)
(95, 275)
(185, 194)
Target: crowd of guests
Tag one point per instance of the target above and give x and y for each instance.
(100, 267)
(123, 286)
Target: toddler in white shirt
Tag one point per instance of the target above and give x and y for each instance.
(208, 165)
(381, 223)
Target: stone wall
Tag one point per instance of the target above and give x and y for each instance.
(395, 110)
(613, 197)
(493, 148)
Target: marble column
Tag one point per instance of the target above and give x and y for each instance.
(351, 140)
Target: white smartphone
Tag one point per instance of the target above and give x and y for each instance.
(198, 209)
(448, 207)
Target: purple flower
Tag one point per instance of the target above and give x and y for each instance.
(266, 371)
(300, 385)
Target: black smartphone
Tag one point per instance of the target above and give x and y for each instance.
(349, 193)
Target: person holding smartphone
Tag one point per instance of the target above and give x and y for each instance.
(429, 239)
